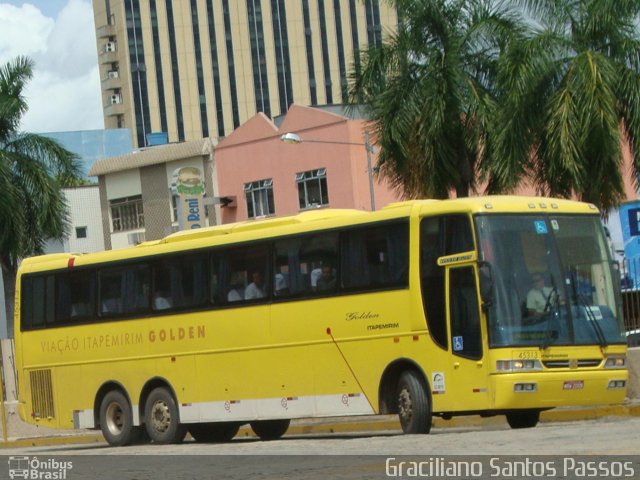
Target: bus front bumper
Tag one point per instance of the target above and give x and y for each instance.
(557, 389)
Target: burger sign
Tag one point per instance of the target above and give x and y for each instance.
(188, 184)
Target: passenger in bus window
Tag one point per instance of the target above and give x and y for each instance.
(236, 293)
(327, 280)
(256, 288)
(280, 284)
(161, 301)
(112, 302)
(316, 273)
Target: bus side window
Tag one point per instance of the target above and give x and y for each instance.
(298, 263)
(375, 257)
(215, 287)
(287, 278)
(76, 296)
(35, 307)
(124, 290)
(465, 316)
(244, 274)
(440, 236)
(179, 282)
(432, 278)
(110, 300)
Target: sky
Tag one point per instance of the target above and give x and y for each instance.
(59, 35)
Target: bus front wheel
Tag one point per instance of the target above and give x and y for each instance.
(116, 420)
(162, 419)
(270, 429)
(523, 418)
(214, 432)
(414, 406)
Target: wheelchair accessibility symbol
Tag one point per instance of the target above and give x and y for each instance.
(541, 227)
(458, 344)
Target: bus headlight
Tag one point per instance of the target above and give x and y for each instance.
(517, 365)
(525, 387)
(615, 362)
(616, 384)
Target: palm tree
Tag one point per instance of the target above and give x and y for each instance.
(571, 100)
(429, 92)
(32, 167)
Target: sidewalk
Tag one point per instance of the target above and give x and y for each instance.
(35, 437)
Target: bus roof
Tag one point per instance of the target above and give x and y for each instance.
(261, 224)
(309, 221)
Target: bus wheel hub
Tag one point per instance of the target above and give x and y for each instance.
(160, 416)
(114, 418)
(404, 405)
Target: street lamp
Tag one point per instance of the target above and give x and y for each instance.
(295, 139)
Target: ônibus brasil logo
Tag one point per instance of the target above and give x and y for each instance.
(33, 468)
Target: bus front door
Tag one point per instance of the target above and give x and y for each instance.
(467, 385)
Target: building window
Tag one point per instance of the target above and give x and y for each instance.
(283, 62)
(340, 41)
(374, 29)
(308, 41)
(325, 53)
(259, 198)
(81, 232)
(258, 57)
(174, 207)
(157, 56)
(126, 213)
(230, 62)
(312, 188)
(138, 72)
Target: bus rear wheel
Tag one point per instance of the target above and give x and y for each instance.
(414, 406)
(270, 429)
(523, 418)
(116, 420)
(162, 418)
(214, 432)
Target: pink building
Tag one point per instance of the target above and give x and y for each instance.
(270, 177)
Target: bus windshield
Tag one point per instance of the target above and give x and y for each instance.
(552, 279)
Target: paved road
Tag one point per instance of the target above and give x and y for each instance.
(354, 455)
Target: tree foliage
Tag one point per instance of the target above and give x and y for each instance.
(32, 170)
(496, 93)
(571, 100)
(430, 92)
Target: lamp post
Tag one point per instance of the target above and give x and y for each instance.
(295, 139)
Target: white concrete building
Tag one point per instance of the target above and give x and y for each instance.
(85, 229)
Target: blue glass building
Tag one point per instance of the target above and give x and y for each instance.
(92, 145)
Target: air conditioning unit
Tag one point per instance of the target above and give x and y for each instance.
(112, 74)
(135, 238)
(110, 47)
(116, 98)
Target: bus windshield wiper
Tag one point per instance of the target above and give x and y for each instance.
(553, 300)
(591, 319)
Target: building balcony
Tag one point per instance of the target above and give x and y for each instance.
(111, 81)
(107, 57)
(113, 109)
(106, 31)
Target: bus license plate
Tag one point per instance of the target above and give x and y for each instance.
(573, 385)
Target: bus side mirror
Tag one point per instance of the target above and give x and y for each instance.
(486, 284)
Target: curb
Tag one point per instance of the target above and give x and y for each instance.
(363, 424)
(53, 441)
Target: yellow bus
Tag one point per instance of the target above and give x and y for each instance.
(488, 305)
